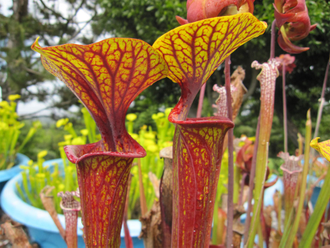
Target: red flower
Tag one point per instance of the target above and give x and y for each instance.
(288, 61)
(293, 21)
(244, 162)
(202, 9)
(244, 156)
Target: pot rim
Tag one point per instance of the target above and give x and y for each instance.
(5, 175)
(20, 211)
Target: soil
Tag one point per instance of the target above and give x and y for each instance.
(4, 242)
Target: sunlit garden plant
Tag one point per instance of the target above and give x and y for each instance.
(35, 176)
(153, 141)
(10, 131)
(107, 76)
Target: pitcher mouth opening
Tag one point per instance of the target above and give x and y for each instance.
(206, 121)
(76, 153)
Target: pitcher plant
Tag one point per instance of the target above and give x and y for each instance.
(106, 76)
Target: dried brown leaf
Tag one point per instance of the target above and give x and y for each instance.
(15, 234)
(48, 202)
(166, 195)
(151, 227)
(155, 183)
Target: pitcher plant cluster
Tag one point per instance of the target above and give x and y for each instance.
(10, 131)
(108, 75)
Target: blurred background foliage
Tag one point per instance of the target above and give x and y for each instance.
(148, 19)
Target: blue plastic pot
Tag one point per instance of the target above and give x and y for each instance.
(268, 194)
(39, 223)
(317, 189)
(5, 175)
(312, 179)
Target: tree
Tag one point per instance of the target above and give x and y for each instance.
(20, 68)
(148, 19)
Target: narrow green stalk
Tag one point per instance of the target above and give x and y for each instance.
(143, 201)
(257, 205)
(285, 126)
(322, 100)
(200, 101)
(14, 141)
(90, 125)
(215, 224)
(32, 131)
(279, 212)
(237, 179)
(26, 188)
(273, 38)
(292, 233)
(251, 187)
(260, 237)
(68, 127)
(221, 189)
(230, 210)
(160, 167)
(267, 79)
(287, 229)
(260, 172)
(20, 192)
(130, 126)
(315, 218)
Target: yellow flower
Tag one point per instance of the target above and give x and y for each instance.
(150, 136)
(78, 141)
(14, 97)
(148, 143)
(134, 136)
(84, 132)
(68, 126)
(4, 104)
(131, 117)
(3, 126)
(168, 111)
(62, 122)
(157, 116)
(63, 143)
(42, 154)
(323, 147)
(67, 137)
(152, 148)
(160, 114)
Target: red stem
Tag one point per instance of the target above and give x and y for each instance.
(284, 111)
(272, 42)
(143, 201)
(317, 237)
(251, 185)
(71, 218)
(230, 214)
(263, 225)
(200, 101)
(319, 114)
(240, 199)
(127, 238)
(325, 78)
